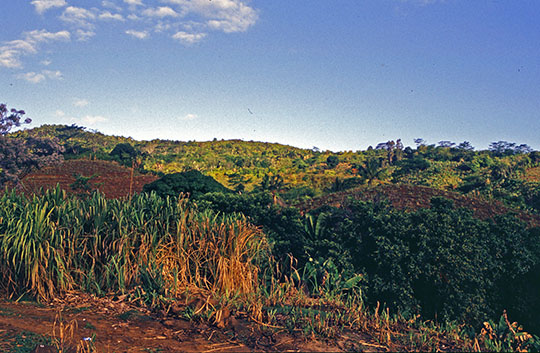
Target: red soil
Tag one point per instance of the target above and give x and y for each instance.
(412, 197)
(111, 179)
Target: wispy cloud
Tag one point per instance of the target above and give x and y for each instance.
(134, 2)
(79, 17)
(44, 5)
(137, 34)
(11, 52)
(78, 102)
(34, 77)
(55, 75)
(93, 119)
(162, 11)
(186, 21)
(225, 15)
(83, 35)
(189, 38)
(107, 15)
(110, 5)
(88, 120)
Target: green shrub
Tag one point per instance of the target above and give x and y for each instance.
(440, 262)
(193, 182)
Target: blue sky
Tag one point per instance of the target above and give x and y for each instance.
(336, 74)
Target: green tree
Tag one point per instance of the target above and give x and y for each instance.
(273, 184)
(238, 181)
(124, 153)
(332, 161)
(371, 170)
(19, 156)
(193, 182)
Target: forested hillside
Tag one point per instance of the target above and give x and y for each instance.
(507, 172)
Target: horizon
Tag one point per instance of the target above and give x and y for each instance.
(340, 75)
(314, 148)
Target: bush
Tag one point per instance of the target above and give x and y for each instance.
(123, 153)
(193, 182)
(440, 262)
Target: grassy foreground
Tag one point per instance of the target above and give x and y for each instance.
(168, 256)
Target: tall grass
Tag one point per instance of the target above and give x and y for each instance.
(54, 243)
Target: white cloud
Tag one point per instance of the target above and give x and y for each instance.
(9, 58)
(189, 38)
(225, 15)
(137, 34)
(187, 21)
(106, 15)
(34, 77)
(44, 5)
(78, 16)
(46, 62)
(83, 35)
(163, 27)
(110, 5)
(59, 114)
(78, 102)
(45, 36)
(55, 75)
(11, 52)
(188, 117)
(162, 11)
(133, 2)
(93, 119)
(133, 17)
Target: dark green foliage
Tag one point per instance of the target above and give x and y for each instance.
(272, 183)
(298, 194)
(371, 170)
(82, 183)
(193, 182)
(505, 148)
(440, 262)
(417, 163)
(124, 153)
(238, 181)
(282, 225)
(332, 161)
(345, 184)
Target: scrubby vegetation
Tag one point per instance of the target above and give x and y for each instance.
(426, 248)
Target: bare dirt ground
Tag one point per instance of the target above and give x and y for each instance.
(110, 178)
(117, 326)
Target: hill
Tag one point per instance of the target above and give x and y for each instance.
(222, 258)
(510, 177)
(413, 197)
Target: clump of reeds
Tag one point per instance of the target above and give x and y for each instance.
(153, 246)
